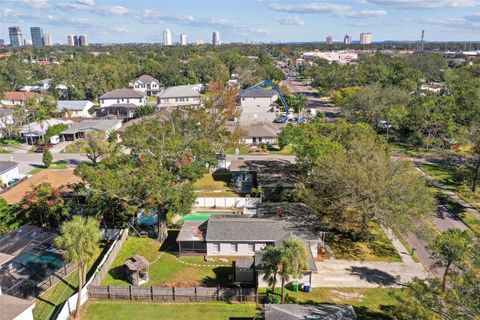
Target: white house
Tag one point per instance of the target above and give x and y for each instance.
(32, 132)
(75, 108)
(13, 308)
(180, 96)
(147, 84)
(257, 105)
(78, 130)
(16, 98)
(258, 133)
(8, 172)
(121, 103)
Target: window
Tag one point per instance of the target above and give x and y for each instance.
(118, 100)
(251, 247)
(128, 100)
(234, 247)
(216, 247)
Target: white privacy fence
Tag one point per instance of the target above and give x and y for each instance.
(71, 304)
(226, 202)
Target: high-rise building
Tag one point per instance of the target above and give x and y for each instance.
(329, 40)
(216, 38)
(347, 39)
(15, 36)
(76, 41)
(37, 36)
(47, 40)
(83, 40)
(167, 37)
(183, 39)
(366, 38)
(2, 42)
(70, 41)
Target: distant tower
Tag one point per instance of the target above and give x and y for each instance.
(167, 37)
(422, 41)
(216, 38)
(183, 39)
(83, 40)
(15, 34)
(70, 41)
(366, 38)
(347, 39)
(47, 40)
(76, 41)
(37, 36)
(329, 40)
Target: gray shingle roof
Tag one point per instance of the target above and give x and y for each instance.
(309, 311)
(122, 93)
(75, 105)
(179, 92)
(145, 78)
(121, 105)
(91, 125)
(257, 92)
(238, 229)
(192, 231)
(6, 166)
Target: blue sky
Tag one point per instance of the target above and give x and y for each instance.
(244, 20)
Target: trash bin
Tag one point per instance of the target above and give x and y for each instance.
(295, 286)
(306, 287)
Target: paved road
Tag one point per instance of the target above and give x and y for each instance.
(29, 161)
(250, 157)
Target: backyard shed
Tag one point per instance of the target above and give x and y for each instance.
(137, 270)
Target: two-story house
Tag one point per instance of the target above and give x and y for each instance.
(257, 105)
(180, 96)
(147, 84)
(120, 103)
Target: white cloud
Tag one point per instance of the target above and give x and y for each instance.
(426, 4)
(291, 20)
(36, 4)
(86, 2)
(118, 10)
(362, 14)
(153, 17)
(311, 7)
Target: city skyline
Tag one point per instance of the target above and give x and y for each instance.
(268, 21)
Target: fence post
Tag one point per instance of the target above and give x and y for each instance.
(196, 296)
(108, 292)
(173, 293)
(241, 298)
(218, 293)
(151, 293)
(130, 292)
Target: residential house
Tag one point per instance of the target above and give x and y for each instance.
(8, 172)
(257, 105)
(180, 96)
(76, 108)
(121, 103)
(6, 118)
(434, 87)
(78, 130)
(147, 84)
(241, 236)
(34, 131)
(13, 308)
(41, 86)
(17, 98)
(308, 311)
(257, 133)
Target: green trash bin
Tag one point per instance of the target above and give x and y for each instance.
(295, 286)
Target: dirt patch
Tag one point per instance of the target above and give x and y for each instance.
(339, 296)
(56, 178)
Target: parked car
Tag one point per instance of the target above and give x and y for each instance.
(41, 148)
(281, 119)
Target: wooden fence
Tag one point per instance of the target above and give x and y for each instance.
(166, 294)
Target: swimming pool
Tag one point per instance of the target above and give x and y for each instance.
(42, 265)
(202, 215)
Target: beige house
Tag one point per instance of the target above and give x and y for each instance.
(180, 96)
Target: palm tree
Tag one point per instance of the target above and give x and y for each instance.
(293, 263)
(79, 239)
(271, 263)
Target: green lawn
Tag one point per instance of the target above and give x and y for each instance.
(377, 248)
(242, 151)
(167, 270)
(287, 150)
(52, 299)
(212, 182)
(59, 165)
(119, 310)
(369, 303)
(6, 142)
(442, 173)
(78, 146)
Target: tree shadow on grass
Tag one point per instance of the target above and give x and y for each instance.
(364, 313)
(374, 275)
(119, 272)
(223, 277)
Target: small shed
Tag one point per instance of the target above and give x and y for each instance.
(137, 270)
(245, 270)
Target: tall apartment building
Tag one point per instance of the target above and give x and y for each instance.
(83, 40)
(183, 39)
(70, 41)
(216, 38)
(347, 39)
(47, 40)
(2, 42)
(15, 34)
(329, 40)
(167, 37)
(37, 36)
(366, 38)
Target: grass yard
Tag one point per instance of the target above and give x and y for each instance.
(287, 150)
(51, 300)
(242, 151)
(369, 303)
(442, 173)
(78, 146)
(58, 165)
(119, 310)
(212, 182)
(377, 248)
(167, 269)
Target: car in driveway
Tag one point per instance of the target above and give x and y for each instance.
(281, 119)
(41, 148)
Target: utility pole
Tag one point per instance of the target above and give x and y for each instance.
(421, 42)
